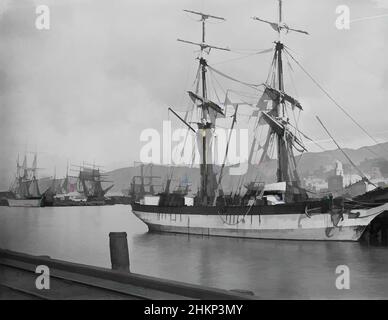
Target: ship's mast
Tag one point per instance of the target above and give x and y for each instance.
(65, 184)
(208, 181)
(282, 173)
(284, 144)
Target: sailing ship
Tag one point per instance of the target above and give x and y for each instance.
(143, 185)
(25, 187)
(84, 189)
(279, 210)
(63, 192)
(90, 179)
(56, 190)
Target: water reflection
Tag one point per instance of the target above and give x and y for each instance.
(272, 269)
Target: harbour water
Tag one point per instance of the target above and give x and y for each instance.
(272, 269)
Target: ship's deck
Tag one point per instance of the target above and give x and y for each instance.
(298, 207)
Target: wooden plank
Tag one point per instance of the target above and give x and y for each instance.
(124, 282)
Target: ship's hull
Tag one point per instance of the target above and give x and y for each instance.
(238, 223)
(25, 202)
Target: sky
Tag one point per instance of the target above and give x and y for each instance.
(106, 70)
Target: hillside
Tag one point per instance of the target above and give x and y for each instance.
(311, 163)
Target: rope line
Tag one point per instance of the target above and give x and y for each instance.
(338, 105)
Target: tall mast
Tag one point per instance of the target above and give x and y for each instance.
(284, 146)
(282, 173)
(279, 49)
(205, 170)
(202, 60)
(208, 181)
(17, 167)
(280, 19)
(65, 184)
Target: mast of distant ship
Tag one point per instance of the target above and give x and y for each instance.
(207, 189)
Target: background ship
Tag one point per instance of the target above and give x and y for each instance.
(83, 189)
(25, 187)
(143, 184)
(281, 210)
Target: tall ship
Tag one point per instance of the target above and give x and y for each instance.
(60, 191)
(282, 209)
(143, 185)
(84, 189)
(25, 187)
(90, 179)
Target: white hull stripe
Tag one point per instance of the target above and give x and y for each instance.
(286, 226)
(24, 202)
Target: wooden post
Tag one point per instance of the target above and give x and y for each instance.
(119, 254)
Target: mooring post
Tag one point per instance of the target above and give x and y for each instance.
(119, 254)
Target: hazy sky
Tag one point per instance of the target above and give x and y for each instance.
(86, 88)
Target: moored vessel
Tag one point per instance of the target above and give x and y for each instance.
(25, 187)
(27, 202)
(280, 210)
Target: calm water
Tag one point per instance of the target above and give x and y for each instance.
(272, 269)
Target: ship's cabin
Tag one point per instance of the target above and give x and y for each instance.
(275, 193)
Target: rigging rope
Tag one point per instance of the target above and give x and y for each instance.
(241, 101)
(345, 154)
(243, 57)
(214, 87)
(251, 85)
(196, 82)
(337, 104)
(244, 94)
(291, 70)
(271, 70)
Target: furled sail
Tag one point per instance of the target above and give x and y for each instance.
(275, 95)
(205, 103)
(281, 130)
(262, 104)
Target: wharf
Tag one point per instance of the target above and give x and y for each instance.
(75, 281)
